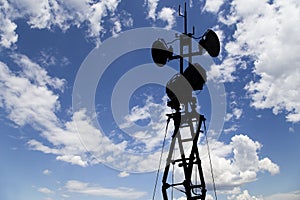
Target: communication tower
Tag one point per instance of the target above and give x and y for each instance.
(185, 116)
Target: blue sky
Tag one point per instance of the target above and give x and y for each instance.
(82, 105)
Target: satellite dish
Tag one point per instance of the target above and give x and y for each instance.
(179, 91)
(196, 76)
(211, 43)
(160, 52)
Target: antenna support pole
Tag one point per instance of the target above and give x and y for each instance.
(191, 165)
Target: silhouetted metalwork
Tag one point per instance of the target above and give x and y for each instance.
(179, 90)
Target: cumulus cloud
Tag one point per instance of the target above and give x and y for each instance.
(223, 72)
(49, 14)
(266, 39)
(150, 136)
(167, 14)
(24, 101)
(213, 6)
(7, 32)
(8, 35)
(123, 174)
(75, 186)
(29, 99)
(244, 196)
(236, 114)
(236, 163)
(73, 159)
(36, 73)
(151, 5)
(45, 190)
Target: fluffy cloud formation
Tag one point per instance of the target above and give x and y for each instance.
(166, 14)
(236, 163)
(26, 102)
(151, 5)
(265, 37)
(49, 14)
(151, 135)
(75, 186)
(45, 190)
(244, 196)
(8, 35)
(213, 6)
(28, 97)
(123, 174)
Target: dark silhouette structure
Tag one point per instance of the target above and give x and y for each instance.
(179, 90)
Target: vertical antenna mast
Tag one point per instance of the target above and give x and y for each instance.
(184, 16)
(185, 117)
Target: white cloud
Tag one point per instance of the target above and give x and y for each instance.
(26, 102)
(117, 27)
(73, 159)
(36, 73)
(7, 32)
(8, 35)
(45, 190)
(167, 14)
(244, 196)
(152, 134)
(245, 152)
(223, 72)
(55, 14)
(266, 37)
(151, 5)
(36, 145)
(78, 141)
(294, 195)
(237, 112)
(234, 115)
(65, 196)
(49, 57)
(228, 116)
(123, 174)
(291, 129)
(137, 113)
(47, 172)
(236, 163)
(119, 193)
(233, 128)
(213, 6)
(268, 165)
(47, 198)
